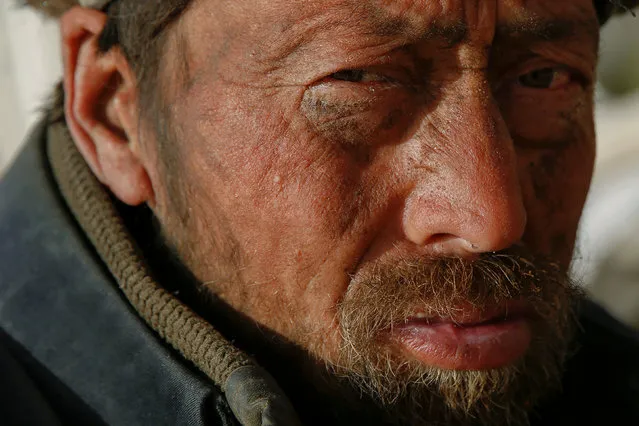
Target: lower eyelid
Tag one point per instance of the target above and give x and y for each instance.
(321, 107)
(360, 96)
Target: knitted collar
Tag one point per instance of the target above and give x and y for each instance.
(251, 392)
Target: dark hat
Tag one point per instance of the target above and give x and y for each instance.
(606, 8)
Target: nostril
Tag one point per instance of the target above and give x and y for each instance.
(452, 245)
(448, 238)
(441, 238)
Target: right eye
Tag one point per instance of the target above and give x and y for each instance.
(549, 78)
(358, 76)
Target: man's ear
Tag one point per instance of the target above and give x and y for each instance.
(101, 107)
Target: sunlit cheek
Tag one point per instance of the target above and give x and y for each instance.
(352, 126)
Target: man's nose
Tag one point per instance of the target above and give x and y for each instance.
(466, 198)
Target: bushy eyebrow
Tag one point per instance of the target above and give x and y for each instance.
(452, 33)
(536, 30)
(527, 31)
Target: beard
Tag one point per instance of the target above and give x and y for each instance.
(370, 380)
(409, 392)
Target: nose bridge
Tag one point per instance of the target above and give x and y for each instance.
(483, 159)
(472, 195)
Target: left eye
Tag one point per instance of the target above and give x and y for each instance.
(545, 78)
(358, 76)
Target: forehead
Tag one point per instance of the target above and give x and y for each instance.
(284, 25)
(412, 16)
(260, 36)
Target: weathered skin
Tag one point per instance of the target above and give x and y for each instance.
(293, 180)
(315, 179)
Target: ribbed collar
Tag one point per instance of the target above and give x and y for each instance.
(252, 394)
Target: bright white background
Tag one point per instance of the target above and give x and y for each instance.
(29, 66)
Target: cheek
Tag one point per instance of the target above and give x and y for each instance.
(553, 134)
(555, 187)
(289, 195)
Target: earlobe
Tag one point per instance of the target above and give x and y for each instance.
(101, 107)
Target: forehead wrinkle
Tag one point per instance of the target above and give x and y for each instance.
(289, 40)
(368, 20)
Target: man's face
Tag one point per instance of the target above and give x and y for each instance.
(342, 157)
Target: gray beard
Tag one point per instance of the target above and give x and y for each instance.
(389, 390)
(407, 392)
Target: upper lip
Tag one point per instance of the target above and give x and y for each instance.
(467, 315)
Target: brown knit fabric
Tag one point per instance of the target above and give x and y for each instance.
(90, 203)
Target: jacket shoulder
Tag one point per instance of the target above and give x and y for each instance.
(70, 338)
(601, 381)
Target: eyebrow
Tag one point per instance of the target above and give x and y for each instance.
(537, 30)
(525, 31)
(452, 34)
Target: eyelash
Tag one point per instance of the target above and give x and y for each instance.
(357, 76)
(362, 76)
(561, 77)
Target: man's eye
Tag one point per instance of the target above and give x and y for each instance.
(545, 78)
(358, 76)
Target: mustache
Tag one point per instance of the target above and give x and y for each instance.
(390, 292)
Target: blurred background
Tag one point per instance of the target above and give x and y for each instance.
(607, 259)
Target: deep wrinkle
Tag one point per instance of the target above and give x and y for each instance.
(347, 118)
(307, 200)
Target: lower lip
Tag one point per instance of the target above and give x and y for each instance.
(475, 347)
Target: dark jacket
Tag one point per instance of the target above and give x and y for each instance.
(87, 337)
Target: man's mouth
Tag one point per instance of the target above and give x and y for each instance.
(469, 339)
